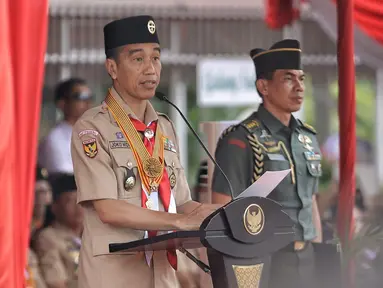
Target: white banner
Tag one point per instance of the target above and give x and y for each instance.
(226, 82)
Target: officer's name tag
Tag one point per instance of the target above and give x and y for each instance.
(276, 157)
(312, 156)
(118, 144)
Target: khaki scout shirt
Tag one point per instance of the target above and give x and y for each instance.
(262, 143)
(58, 250)
(33, 275)
(101, 175)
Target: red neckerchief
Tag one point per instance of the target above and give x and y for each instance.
(164, 190)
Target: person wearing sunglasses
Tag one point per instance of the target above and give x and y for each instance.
(72, 97)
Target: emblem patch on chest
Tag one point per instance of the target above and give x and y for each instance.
(90, 147)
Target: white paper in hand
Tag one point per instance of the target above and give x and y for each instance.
(265, 184)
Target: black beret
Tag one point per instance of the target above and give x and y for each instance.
(285, 54)
(41, 173)
(63, 183)
(131, 30)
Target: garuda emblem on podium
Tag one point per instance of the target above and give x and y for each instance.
(254, 219)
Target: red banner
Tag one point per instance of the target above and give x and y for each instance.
(23, 35)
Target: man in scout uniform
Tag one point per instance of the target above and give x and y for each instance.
(43, 196)
(58, 246)
(127, 168)
(271, 139)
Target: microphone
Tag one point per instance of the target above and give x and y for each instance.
(162, 97)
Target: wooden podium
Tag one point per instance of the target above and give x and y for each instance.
(240, 239)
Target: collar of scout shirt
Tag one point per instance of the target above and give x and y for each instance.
(150, 113)
(272, 123)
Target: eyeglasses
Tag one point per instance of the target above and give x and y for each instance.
(81, 96)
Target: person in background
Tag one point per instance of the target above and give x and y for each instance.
(73, 97)
(58, 245)
(43, 197)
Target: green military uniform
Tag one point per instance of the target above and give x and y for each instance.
(263, 143)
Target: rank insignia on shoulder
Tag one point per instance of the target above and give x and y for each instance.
(252, 124)
(309, 127)
(90, 147)
(169, 145)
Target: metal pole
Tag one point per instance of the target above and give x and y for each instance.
(178, 95)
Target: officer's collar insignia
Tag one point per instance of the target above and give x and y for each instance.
(90, 147)
(169, 145)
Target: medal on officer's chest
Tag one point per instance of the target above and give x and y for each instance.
(150, 167)
(306, 141)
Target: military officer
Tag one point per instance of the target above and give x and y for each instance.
(127, 168)
(58, 245)
(271, 139)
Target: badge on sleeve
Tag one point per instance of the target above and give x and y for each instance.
(90, 147)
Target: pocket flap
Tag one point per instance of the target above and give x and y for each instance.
(100, 244)
(315, 168)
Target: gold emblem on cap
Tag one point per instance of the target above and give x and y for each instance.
(254, 219)
(151, 27)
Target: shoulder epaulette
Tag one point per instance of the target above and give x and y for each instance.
(228, 130)
(251, 125)
(309, 127)
(164, 115)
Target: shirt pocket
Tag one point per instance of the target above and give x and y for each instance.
(314, 168)
(127, 175)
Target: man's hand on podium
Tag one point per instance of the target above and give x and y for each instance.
(193, 220)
